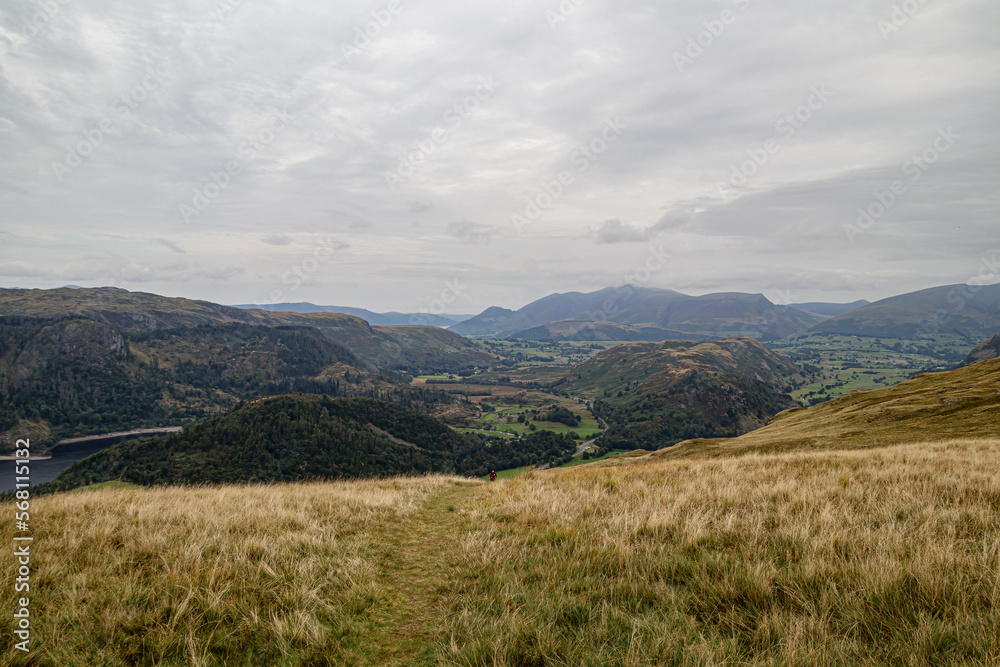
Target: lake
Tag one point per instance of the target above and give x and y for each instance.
(63, 456)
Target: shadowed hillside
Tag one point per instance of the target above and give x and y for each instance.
(932, 406)
(655, 394)
(707, 316)
(408, 349)
(305, 437)
(988, 349)
(970, 311)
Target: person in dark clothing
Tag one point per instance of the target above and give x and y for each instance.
(493, 475)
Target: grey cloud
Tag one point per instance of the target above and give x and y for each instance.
(472, 232)
(353, 119)
(172, 246)
(616, 231)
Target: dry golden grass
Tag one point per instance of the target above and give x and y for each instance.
(866, 557)
(928, 407)
(268, 575)
(888, 556)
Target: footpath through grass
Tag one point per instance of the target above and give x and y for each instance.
(885, 556)
(418, 564)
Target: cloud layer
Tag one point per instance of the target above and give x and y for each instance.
(366, 155)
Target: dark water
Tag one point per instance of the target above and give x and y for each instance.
(63, 456)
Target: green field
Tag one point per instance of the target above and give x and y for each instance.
(579, 461)
(841, 364)
(509, 473)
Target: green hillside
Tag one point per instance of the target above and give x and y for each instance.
(655, 394)
(969, 311)
(934, 406)
(409, 349)
(74, 376)
(302, 437)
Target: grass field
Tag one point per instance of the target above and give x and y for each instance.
(879, 556)
(848, 363)
(582, 461)
(885, 556)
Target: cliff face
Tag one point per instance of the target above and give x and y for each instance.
(95, 343)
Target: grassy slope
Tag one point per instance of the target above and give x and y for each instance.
(651, 367)
(888, 556)
(932, 406)
(870, 556)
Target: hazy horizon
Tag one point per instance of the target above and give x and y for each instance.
(382, 155)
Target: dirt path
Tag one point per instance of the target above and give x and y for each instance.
(417, 567)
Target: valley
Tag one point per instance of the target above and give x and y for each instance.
(499, 334)
(847, 549)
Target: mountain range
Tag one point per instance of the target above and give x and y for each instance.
(638, 313)
(969, 311)
(708, 316)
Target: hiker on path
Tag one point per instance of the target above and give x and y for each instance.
(493, 475)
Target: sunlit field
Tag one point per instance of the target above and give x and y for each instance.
(877, 556)
(885, 556)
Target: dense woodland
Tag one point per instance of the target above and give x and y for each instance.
(306, 437)
(702, 406)
(81, 376)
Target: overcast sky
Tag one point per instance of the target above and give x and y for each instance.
(402, 155)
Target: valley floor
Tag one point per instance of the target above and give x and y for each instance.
(877, 556)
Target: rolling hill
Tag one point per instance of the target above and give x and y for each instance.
(411, 349)
(988, 349)
(124, 310)
(935, 407)
(655, 394)
(830, 309)
(301, 437)
(972, 312)
(708, 316)
(395, 348)
(75, 375)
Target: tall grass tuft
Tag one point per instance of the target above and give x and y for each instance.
(874, 557)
